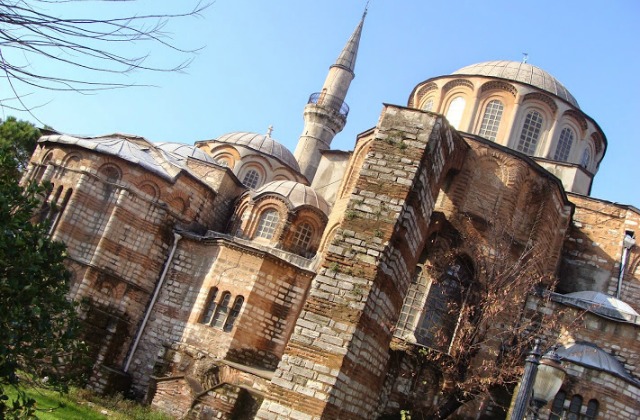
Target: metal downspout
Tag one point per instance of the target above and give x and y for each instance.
(627, 244)
(156, 292)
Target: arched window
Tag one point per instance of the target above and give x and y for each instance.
(592, 410)
(302, 236)
(210, 307)
(558, 406)
(267, 224)
(574, 408)
(235, 311)
(564, 144)
(447, 297)
(428, 105)
(251, 178)
(491, 120)
(455, 111)
(530, 133)
(586, 158)
(221, 311)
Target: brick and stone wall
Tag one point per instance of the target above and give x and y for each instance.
(592, 251)
(334, 363)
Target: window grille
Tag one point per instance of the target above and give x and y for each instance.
(491, 120)
(530, 133)
(267, 224)
(251, 178)
(564, 145)
(302, 236)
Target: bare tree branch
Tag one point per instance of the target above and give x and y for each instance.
(32, 30)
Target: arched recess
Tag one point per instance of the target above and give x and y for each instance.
(327, 237)
(72, 160)
(495, 104)
(305, 231)
(486, 187)
(266, 219)
(359, 155)
(532, 125)
(456, 103)
(418, 99)
(225, 154)
(149, 188)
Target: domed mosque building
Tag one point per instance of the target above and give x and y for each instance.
(236, 279)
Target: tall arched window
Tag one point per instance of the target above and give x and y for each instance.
(267, 224)
(221, 311)
(302, 237)
(592, 410)
(557, 407)
(586, 158)
(574, 408)
(210, 306)
(530, 133)
(564, 144)
(235, 311)
(428, 105)
(251, 178)
(491, 120)
(447, 297)
(455, 111)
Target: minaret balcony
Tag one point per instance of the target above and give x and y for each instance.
(329, 101)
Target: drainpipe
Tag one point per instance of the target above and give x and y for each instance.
(156, 292)
(627, 244)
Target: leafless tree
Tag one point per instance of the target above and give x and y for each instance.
(477, 327)
(33, 30)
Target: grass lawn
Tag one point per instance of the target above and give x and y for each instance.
(80, 404)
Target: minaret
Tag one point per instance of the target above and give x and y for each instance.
(326, 112)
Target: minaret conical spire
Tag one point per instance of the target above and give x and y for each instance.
(348, 55)
(326, 112)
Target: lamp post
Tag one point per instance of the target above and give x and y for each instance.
(541, 380)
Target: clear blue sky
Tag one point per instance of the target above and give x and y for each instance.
(261, 59)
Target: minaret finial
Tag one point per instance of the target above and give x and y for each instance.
(269, 130)
(525, 57)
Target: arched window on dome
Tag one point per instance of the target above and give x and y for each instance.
(491, 120)
(251, 178)
(428, 105)
(564, 144)
(267, 224)
(302, 237)
(455, 111)
(586, 158)
(530, 133)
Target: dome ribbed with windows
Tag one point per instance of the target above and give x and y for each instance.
(298, 194)
(261, 143)
(520, 72)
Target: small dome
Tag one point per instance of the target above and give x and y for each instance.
(604, 305)
(587, 354)
(262, 143)
(520, 72)
(185, 151)
(298, 194)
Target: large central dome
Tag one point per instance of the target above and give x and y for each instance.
(520, 72)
